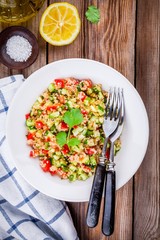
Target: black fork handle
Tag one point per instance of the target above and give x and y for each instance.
(109, 203)
(96, 196)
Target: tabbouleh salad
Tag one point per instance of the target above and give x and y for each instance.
(64, 128)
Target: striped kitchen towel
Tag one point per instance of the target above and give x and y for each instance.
(25, 213)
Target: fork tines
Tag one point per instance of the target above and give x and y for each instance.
(113, 104)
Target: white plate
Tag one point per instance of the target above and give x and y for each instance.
(134, 138)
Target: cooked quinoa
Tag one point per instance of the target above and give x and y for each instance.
(63, 147)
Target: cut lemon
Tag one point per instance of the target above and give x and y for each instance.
(60, 24)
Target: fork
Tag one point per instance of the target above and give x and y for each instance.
(111, 120)
(110, 186)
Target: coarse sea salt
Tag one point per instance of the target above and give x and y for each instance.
(18, 48)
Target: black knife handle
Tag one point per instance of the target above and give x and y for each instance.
(96, 196)
(109, 203)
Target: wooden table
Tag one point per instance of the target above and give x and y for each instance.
(127, 38)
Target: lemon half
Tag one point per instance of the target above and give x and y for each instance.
(60, 24)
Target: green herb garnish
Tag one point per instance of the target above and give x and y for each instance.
(93, 14)
(61, 138)
(73, 142)
(72, 118)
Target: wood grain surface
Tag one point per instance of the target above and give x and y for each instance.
(127, 38)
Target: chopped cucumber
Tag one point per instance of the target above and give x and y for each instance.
(89, 133)
(77, 130)
(51, 87)
(64, 91)
(48, 133)
(76, 149)
(83, 176)
(54, 114)
(100, 110)
(30, 122)
(87, 101)
(93, 161)
(89, 91)
(100, 95)
(63, 162)
(31, 129)
(73, 177)
(56, 157)
(72, 168)
(69, 104)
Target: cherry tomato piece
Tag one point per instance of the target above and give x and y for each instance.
(53, 170)
(60, 83)
(65, 149)
(82, 96)
(84, 112)
(30, 136)
(44, 151)
(51, 108)
(27, 116)
(31, 154)
(90, 151)
(45, 165)
(63, 126)
(107, 153)
(39, 125)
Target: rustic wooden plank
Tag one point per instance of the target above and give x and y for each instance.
(4, 71)
(114, 45)
(33, 26)
(77, 47)
(147, 180)
(113, 36)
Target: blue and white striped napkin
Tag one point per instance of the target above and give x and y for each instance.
(25, 213)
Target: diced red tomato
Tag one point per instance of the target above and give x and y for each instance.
(59, 83)
(107, 153)
(47, 139)
(82, 96)
(51, 108)
(63, 126)
(45, 165)
(33, 153)
(75, 126)
(27, 116)
(52, 170)
(45, 151)
(30, 136)
(39, 125)
(90, 151)
(65, 149)
(84, 112)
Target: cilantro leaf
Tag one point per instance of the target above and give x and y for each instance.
(61, 138)
(73, 142)
(73, 117)
(93, 14)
